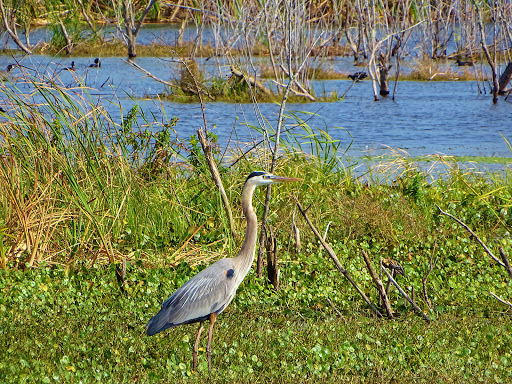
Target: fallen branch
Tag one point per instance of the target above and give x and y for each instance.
(295, 92)
(500, 299)
(149, 74)
(505, 261)
(473, 234)
(378, 283)
(336, 261)
(406, 296)
(251, 80)
(333, 307)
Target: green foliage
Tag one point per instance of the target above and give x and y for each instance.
(74, 324)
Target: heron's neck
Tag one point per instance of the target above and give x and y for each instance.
(245, 256)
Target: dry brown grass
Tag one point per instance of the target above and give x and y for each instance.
(319, 73)
(433, 70)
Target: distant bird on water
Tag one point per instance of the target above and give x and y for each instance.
(72, 68)
(358, 76)
(464, 63)
(209, 292)
(5, 75)
(95, 64)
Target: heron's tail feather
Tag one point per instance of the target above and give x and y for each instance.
(157, 324)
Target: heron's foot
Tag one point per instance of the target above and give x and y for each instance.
(209, 355)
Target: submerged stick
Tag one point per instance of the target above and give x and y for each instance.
(406, 296)
(336, 261)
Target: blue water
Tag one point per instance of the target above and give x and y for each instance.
(426, 118)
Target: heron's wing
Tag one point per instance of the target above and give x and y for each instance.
(209, 291)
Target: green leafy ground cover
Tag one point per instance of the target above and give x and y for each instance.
(75, 326)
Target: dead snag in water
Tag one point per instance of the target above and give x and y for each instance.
(490, 61)
(334, 258)
(384, 68)
(505, 78)
(378, 283)
(251, 80)
(406, 296)
(424, 280)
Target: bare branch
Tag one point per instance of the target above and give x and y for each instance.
(207, 150)
(336, 261)
(505, 261)
(500, 299)
(473, 234)
(406, 296)
(378, 283)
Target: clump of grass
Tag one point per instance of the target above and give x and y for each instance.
(117, 47)
(434, 70)
(228, 90)
(318, 73)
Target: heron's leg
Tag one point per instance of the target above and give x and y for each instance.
(196, 345)
(212, 318)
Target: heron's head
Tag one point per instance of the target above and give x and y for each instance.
(264, 178)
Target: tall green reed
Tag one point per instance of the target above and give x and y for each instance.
(78, 184)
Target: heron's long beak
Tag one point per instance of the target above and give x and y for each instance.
(283, 179)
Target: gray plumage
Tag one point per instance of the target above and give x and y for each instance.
(209, 292)
(202, 295)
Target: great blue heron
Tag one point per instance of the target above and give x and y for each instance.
(209, 292)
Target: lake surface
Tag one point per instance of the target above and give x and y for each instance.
(427, 117)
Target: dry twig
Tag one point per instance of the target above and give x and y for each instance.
(505, 261)
(336, 261)
(500, 299)
(378, 283)
(406, 296)
(474, 235)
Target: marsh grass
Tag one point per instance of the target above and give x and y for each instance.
(441, 70)
(232, 90)
(317, 73)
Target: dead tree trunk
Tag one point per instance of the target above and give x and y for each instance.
(9, 23)
(490, 60)
(505, 78)
(132, 27)
(384, 68)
